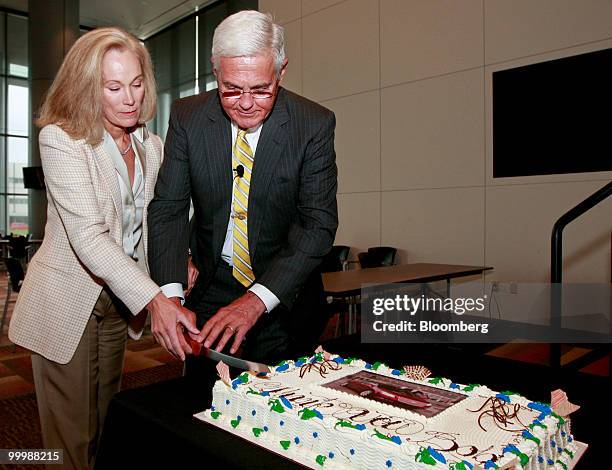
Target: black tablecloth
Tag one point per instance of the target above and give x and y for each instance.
(154, 425)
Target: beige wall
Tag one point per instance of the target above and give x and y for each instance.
(410, 83)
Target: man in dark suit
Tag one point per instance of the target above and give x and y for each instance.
(258, 162)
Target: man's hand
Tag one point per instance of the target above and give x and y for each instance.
(168, 318)
(233, 320)
(192, 276)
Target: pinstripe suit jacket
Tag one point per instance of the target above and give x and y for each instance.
(292, 200)
(82, 248)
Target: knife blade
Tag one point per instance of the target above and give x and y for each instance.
(232, 361)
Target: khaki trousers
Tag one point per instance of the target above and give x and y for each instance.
(73, 398)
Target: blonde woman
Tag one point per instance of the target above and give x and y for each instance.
(87, 285)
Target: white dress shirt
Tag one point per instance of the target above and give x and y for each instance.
(267, 297)
(132, 196)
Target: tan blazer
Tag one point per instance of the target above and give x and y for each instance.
(82, 249)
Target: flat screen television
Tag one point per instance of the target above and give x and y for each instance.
(33, 177)
(553, 117)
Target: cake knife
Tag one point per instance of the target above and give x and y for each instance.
(232, 361)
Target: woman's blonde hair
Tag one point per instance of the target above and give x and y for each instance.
(74, 101)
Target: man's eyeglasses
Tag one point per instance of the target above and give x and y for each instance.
(236, 94)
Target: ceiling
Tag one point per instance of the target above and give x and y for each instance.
(141, 17)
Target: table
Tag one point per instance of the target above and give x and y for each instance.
(153, 426)
(349, 283)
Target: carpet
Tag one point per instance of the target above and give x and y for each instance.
(19, 426)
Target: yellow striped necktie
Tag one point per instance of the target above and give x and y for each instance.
(242, 155)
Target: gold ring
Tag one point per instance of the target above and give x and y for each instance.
(233, 331)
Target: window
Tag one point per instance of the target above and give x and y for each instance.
(15, 123)
(181, 57)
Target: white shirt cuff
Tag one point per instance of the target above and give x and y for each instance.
(174, 289)
(265, 295)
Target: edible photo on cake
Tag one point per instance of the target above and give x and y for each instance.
(418, 398)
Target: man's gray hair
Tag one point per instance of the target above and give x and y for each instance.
(249, 33)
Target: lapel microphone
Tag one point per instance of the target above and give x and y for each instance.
(239, 171)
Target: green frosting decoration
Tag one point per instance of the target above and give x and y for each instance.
(524, 458)
(285, 444)
(376, 365)
(561, 419)
(470, 387)
(347, 424)
(257, 431)
(425, 457)
(215, 414)
(436, 380)
(538, 424)
(275, 405)
(569, 452)
(243, 378)
(307, 413)
(562, 464)
(321, 459)
(235, 423)
(458, 466)
(383, 436)
(508, 392)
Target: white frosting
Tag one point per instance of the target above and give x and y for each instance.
(352, 431)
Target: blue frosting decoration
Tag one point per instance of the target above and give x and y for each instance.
(542, 408)
(368, 365)
(352, 451)
(436, 455)
(282, 368)
(396, 372)
(296, 440)
(512, 449)
(388, 463)
(331, 455)
(212, 408)
(527, 435)
(397, 440)
(467, 464)
(550, 462)
(540, 459)
(282, 423)
(300, 362)
(360, 427)
(253, 412)
(286, 402)
(503, 397)
(339, 360)
(570, 439)
(563, 433)
(238, 417)
(553, 443)
(490, 464)
(227, 402)
(265, 394)
(453, 385)
(266, 428)
(315, 435)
